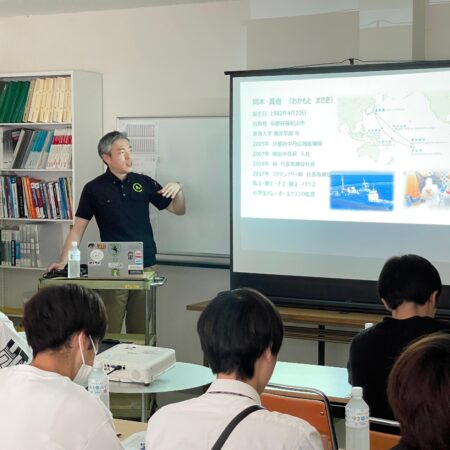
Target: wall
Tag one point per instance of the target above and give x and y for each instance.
(158, 61)
(170, 61)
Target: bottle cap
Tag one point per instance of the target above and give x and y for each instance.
(74, 243)
(357, 391)
(98, 364)
(368, 325)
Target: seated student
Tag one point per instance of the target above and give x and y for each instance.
(240, 333)
(13, 347)
(409, 287)
(43, 405)
(419, 393)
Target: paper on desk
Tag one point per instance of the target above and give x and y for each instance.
(133, 442)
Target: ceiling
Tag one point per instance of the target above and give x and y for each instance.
(9, 8)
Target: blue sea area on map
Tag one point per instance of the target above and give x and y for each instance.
(362, 191)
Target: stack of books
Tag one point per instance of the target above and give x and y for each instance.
(28, 245)
(30, 198)
(24, 148)
(41, 100)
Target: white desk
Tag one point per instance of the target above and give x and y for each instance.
(180, 377)
(332, 381)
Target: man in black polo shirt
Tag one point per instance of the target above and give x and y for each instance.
(119, 199)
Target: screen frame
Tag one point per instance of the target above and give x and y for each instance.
(316, 292)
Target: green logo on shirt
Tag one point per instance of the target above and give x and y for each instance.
(137, 187)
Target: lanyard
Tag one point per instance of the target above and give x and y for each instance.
(231, 393)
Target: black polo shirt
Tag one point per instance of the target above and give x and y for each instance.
(121, 209)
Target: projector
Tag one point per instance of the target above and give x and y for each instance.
(131, 363)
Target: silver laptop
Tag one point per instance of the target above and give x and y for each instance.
(115, 259)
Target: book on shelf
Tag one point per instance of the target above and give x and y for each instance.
(13, 100)
(8, 144)
(40, 100)
(46, 113)
(19, 106)
(8, 97)
(35, 198)
(30, 245)
(28, 196)
(60, 153)
(26, 111)
(25, 148)
(3, 85)
(58, 103)
(35, 155)
(20, 198)
(31, 198)
(42, 163)
(36, 101)
(67, 108)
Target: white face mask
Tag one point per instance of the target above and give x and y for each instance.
(84, 371)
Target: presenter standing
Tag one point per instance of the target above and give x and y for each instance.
(119, 200)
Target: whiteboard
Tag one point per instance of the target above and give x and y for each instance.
(195, 152)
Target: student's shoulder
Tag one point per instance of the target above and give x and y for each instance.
(437, 324)
(372, 334)
(290, 427)
(174, 409)
(84, 406)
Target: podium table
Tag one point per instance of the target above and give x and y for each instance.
(144, 284)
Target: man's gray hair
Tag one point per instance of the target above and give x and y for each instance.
(105, 143)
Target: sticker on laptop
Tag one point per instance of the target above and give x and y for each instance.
(97, 255)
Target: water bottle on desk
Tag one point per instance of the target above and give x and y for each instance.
(73, 270)
(357, 422)
(98, 383)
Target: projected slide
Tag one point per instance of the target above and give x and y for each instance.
(364, 147)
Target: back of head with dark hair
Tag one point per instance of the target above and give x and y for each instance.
(235, 329)
(53, 314)
(419, 393)
(408, 278)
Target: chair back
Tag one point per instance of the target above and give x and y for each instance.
(308, 404)
(382, 440)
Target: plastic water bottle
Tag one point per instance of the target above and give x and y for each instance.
(98, 383)
(357, 435)
(74, 261)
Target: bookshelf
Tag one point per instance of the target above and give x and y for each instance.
(50, 124)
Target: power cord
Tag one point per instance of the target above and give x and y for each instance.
(115, 368)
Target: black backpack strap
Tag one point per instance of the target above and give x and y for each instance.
(232, 425)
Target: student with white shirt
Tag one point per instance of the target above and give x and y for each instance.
(13, 347)
(241, 334)
(45, 405)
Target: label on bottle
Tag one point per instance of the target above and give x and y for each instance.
(74, 256)
(98, 388)
(357, 418)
